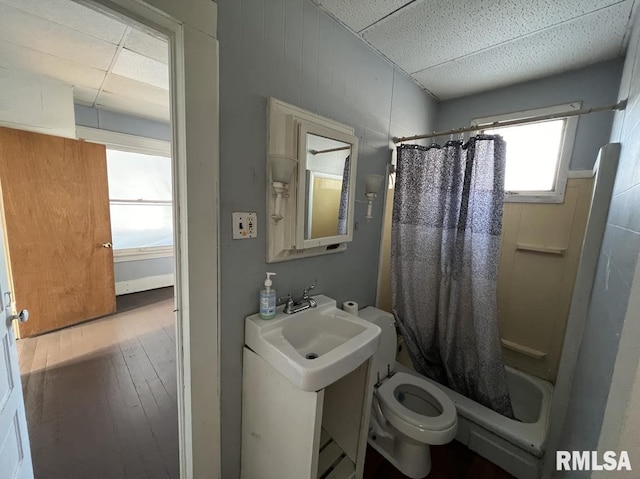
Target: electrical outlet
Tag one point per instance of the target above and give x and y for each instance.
(245, 225)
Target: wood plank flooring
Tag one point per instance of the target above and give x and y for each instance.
(101, 396)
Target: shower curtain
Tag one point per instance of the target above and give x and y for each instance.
(344, 198)
(445, 247)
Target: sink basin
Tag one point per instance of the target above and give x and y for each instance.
(315, 347)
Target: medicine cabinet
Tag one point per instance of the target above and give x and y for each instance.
(311, 171)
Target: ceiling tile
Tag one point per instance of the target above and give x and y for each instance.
(147, 45)
(84, 96)
(599, 36)
(122, 86)
(131, 106)
(359, 14)
(143, 69)
(38, 34)
(73, 15)
(427, 33)
(16, 57)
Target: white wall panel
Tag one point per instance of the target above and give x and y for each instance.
(73, 15)
(30, 102)
(141, 68)
(148, 45)
(42, 35)
(128, 88)
(16, 57)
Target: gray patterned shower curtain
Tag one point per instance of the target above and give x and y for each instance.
(445, 248)
(343, 209)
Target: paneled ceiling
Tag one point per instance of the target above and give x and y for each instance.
(111, 64)
(460, 47)
(450, 47)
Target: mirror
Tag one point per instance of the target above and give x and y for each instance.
(327, 183)
(327, 161)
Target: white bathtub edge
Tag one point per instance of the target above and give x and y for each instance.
(531, 437)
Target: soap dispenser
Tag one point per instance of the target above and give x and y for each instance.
(268, 299)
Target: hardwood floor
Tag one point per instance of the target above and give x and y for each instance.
(451, 461)
(101, 401)
(100, 397)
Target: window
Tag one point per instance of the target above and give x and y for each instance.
(140, 196)
(538, 153)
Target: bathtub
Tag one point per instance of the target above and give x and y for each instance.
(515, 446)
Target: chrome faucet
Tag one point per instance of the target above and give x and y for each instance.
(296, 305)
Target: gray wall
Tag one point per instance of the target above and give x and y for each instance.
(121, 123)
(291, 50)
(132, 270)
(614, 277)
(594, 85)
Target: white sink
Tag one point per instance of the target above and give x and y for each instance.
(315, 347)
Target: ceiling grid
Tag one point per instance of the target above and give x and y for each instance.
(454, 48)
(111, 65)
(451, 48)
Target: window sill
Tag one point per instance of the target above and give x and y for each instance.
(139, 254)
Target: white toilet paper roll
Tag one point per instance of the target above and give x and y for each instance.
(350, 307)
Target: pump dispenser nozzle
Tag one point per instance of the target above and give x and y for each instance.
(268, 281)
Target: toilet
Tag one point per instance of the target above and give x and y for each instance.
(408, 412)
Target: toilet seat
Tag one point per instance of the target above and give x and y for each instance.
(437, 429)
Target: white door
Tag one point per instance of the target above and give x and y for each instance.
(15, 454)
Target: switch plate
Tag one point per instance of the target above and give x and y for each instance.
(245, 225)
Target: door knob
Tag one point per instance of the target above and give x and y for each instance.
(107, 245)
(22, 316)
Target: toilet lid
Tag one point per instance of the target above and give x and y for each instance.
(428, 392)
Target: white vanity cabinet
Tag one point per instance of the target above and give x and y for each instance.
(290, 430)
(288, 433)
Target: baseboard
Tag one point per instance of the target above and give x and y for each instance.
(144, 284)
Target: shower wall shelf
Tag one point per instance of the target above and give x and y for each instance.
(541, 249)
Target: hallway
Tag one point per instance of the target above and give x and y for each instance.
(100, 397)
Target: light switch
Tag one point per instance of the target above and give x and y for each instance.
(245, 225)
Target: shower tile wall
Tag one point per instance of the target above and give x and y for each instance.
(614, 282)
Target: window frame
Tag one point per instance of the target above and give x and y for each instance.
(132, 144)
(566, 149)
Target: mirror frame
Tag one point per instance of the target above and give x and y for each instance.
(304, 129)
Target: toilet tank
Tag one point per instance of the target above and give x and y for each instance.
(385, 357)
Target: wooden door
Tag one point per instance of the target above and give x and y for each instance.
(57, 214)
(15, 455)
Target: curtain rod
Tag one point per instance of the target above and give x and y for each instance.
(621, 105)
(330, 150)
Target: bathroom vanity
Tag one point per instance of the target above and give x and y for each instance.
(307, 388)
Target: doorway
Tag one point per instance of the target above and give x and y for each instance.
(100, 394)
(193, 30)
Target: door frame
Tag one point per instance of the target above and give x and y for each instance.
(191, 26)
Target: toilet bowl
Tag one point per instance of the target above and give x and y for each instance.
(408, 412)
